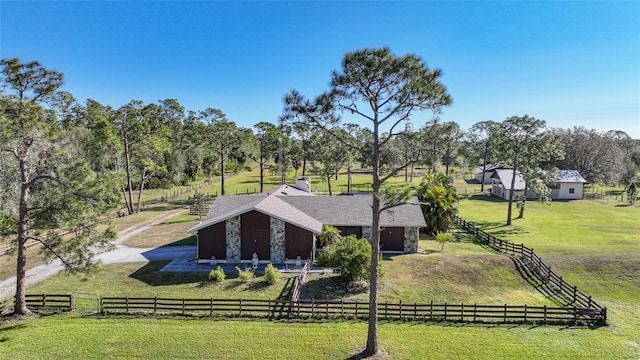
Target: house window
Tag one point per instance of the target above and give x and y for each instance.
(572, 191)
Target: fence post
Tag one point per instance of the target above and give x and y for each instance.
(240, 303)
(445, 311)
(211, 306)
(462, 312)
(342, 307)
(313, 307)
(431, 310)
(357, 309)
(575, 292)
(44, 300)
(525, 312)
(155, 304)
(545, 314)
(505, 313)
(475, 308)
(127, 304)
(183, 309)
(400, 304)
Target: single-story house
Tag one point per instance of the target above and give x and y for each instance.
(282, 225)
(488, 170)
(501, 184)
(564, 185)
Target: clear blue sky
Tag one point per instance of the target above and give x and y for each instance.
(569, 63)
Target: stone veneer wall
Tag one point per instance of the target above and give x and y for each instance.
(411, 237)
(277, 240)
(367, 232)
(232, 228)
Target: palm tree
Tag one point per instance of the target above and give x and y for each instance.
(437, 197)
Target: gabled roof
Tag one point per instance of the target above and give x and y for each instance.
(488, 167)
(566, 176)
(356, 211)
(310, 212)
(506, 175)
(226, 207)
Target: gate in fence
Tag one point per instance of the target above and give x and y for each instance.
(85, 302)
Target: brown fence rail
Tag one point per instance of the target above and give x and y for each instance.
(353, 309)
(49, 301)
(536, 268)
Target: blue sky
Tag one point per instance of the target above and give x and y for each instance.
(569, 63)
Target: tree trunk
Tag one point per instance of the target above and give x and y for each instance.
(349, 179)
(372, 333)
(513, 183)
(446, 172)
(127, 161)
(484, 169)
(21, 263)
(304, 165)
(222, 172)
(411, 176)
(329, 184)
(261, 169)
(143, 179)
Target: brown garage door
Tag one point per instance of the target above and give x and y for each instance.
(255, 235)
(212, 242)
(298, 242)
(392, 239)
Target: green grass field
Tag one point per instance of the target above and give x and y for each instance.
(594, 245)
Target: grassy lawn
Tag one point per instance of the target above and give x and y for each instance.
(462, 273)
(170, 232)
(143, 279)
(90, 337)
(594, 245)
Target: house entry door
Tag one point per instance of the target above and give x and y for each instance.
(256, 235)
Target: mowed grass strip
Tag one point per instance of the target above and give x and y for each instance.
(91, 337)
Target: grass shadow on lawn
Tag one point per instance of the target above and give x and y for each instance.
(150, 274)
(498, 228)
(188, 241)
(328, 288)
(486, 198)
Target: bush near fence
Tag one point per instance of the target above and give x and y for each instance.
(537, 269)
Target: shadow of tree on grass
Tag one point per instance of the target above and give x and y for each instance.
(150, 274)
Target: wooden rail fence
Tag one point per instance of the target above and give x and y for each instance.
(352, 309)
(49, 301)
(328, 309)
(536, 268)
(295, 294)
